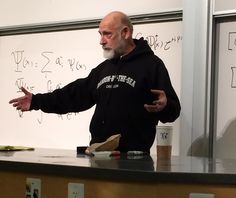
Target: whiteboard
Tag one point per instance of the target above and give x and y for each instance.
(225, 118)
(42, 62)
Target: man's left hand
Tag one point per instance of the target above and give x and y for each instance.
(158, 104)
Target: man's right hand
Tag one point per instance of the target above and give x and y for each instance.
(22, 103)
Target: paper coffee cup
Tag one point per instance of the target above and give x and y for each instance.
(164, 141)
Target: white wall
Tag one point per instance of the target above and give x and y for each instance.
(14, 12)
(224, 6)
(194, 76)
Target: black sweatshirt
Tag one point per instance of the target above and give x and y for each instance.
(119, 88)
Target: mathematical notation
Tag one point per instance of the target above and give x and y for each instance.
(156, 42)
(45, 63)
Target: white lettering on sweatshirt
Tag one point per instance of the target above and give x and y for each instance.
(119, 78)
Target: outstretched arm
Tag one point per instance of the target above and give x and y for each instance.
(22, 103)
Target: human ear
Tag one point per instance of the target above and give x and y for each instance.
(125, 32)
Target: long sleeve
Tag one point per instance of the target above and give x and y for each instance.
(74, 97)
(172, 110)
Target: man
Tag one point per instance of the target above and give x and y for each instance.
(131, 89)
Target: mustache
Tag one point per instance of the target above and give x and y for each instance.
(106, 48)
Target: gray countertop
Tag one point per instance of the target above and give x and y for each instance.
(145, 168)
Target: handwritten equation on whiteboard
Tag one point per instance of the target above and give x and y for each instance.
(46, 63)
(156, 42)
(232, 47)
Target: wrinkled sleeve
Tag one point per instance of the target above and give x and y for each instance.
(74, 97)
(172, 110)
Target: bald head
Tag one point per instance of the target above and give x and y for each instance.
(117, 20)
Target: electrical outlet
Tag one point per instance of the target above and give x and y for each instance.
(75, 190)
(33, 188)
(201, 195)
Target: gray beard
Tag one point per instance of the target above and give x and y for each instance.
(114, 53)
(108, 54)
